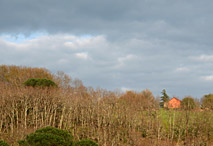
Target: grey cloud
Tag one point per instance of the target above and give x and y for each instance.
(114, 65)
(160, 19)
(134, 44)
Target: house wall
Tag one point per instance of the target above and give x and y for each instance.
(174, 103)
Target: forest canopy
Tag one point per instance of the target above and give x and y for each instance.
(105, 117)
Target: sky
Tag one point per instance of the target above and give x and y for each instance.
(114, 44)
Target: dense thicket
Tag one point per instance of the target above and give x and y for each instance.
(109, 118)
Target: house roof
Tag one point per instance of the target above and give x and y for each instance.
(175, 98)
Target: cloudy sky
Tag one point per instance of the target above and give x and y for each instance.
(114, 44)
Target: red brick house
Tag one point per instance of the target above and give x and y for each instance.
(174, 103)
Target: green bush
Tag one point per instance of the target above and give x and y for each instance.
(2, 143)
(48, 136)
(85, 142)
(39, 83)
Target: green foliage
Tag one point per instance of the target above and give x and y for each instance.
(164, 98)
(85, 142)
(2, 143)
(207, 102)
(48, 136)
(23, 143)
(45, 139)
(39, 83)
(51, 136)
(55, 131)
(188, 103)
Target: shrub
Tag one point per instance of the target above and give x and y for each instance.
(207, 102)
(188, 103)
(39, 83)
(85, 142)
(48, 136)
(2, 143)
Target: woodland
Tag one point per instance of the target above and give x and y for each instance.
(108, 118)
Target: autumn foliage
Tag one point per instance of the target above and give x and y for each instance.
(106, 117)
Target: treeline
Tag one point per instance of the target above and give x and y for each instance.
(189, 103)
(108, 118)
